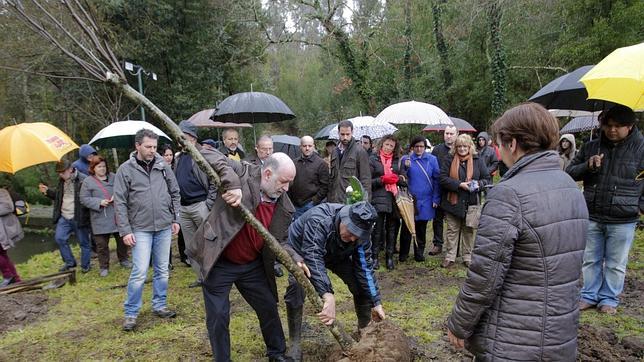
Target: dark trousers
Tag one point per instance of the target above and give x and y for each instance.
(7, 268)
(252, 283)
(103, 249)
(405, 240)
(437, 225)
(294, 297)
(385, 233)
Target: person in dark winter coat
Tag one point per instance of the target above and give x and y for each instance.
(230, 145)
(311, 183)
(347, 160)
(385, 177)
(441, 152)
(70, 216)
(423, 176)
(519, 300)
(333, 237)
(85, 155)
(486, 153)
(463, 177)
(96, 195)
(608, 166)
(263, 149)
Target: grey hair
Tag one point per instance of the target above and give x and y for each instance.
(142, 133)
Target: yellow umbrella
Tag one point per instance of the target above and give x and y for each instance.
(619, 77)
(29, 144)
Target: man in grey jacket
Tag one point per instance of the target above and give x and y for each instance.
(146, 200)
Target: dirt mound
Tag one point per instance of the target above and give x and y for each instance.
(603, 345)
(20, 309)
(381, 341)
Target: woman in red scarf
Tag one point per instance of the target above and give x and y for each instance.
(384, 162)
(463, 175)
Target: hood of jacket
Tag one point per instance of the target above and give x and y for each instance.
(483, 135)
(85, 150)
(571, 139)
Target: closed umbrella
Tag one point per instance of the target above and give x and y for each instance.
(405, 204)
(366, 126)
(29, 144)
(619, 77)
(413, 112)
(460, 124)
(121, 134)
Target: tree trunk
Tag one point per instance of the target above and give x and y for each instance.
(440, 41)
(498, 65)
(336, 328)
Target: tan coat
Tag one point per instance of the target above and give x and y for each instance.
(224, 222)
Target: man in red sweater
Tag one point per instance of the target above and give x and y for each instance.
(231, 252)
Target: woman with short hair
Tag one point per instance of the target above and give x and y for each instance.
(520, 299)
(96, 194)
(463, 175)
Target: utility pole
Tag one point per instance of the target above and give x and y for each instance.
(136, 69)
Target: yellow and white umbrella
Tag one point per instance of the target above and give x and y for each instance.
(29, 144)
(619, 77)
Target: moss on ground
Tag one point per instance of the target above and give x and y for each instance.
(85, 324)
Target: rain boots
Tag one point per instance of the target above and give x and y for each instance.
(391, 235)
(363, 312)
(294, 316)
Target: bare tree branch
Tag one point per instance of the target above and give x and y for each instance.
(48, 75)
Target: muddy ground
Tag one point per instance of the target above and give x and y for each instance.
(595, 343)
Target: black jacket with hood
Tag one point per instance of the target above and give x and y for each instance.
(486, 153)
(612, 194)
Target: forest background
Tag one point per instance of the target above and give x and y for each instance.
(328, 60)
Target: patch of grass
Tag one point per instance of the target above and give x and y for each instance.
(86, 322)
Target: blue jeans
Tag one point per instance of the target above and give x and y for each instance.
(157, 245)
(605, 260)
(64, 228)
(301, 210)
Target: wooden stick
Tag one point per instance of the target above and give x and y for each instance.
(336, 328)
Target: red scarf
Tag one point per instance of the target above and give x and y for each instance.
(453, 173)
(387, 160)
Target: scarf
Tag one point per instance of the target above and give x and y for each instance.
(453, 173)
(387, 160)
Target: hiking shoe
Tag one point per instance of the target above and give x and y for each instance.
(607, 309)
(164, 313)
(7, 281)
(436, 250)
(66, 267)
(104, 272)
(195, 284)
(126, 264)
(584, 306)
(86, 270)
(447, 264)
(278, 270)
(129, 324)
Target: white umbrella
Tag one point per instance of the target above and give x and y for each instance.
(413, 112)
(366, 126)
(121, 134)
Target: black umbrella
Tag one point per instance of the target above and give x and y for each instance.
(567, 92)
(252, 107)
(323, 134)
(460, 124)
(287, 144)
(580, 124)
